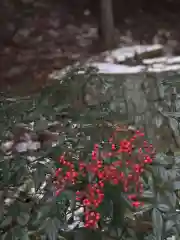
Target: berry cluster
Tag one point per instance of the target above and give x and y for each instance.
(123, 164)
(65, 176)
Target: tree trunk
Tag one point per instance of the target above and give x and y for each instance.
(107, 29)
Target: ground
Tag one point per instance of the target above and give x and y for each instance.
(39, 37)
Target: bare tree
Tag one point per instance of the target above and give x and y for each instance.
(107, 23)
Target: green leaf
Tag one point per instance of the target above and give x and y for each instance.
(169, 225)
(163, 207)
(161, 173)
(5, 173)
(171, 197)
(172, 115)
(13, 210)
(174, 125)
(118, 204)
(7, 221)
(39, 176)
(51, 227)
(25, 236)
(106, 209)
(176, 185)
(162, 160)
(20, 233)
(41, 125)
(23, 218)
(177, 158)
(43, 213)
(148, 194)
(2, 194)
(158, 223)
(16, 233)
(66, 195)
(8, 236)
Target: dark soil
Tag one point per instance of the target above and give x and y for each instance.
(40, 36)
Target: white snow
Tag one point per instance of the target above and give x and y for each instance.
(121, 54)
(165, 60)
(25, 146)
(164, 68)
(7, 146)
(107, 68)
(109, 63)
(110, 68)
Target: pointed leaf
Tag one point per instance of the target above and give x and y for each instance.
(163, 207)
(7, 236)
(25, 236)
(23, 218)
(148, 194)
(7, 221)
(172, 114)
(39, 176)
(171, 196)
(163, 159)
(174, 125)
(176, 185)
(157, 224)
(51, 227)
(169, 225)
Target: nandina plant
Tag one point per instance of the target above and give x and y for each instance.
(113, 162)
(120, 193)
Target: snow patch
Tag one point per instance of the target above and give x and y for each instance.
(121, 54)
(107, 68)
(108, 64)
(110, 68)
(165, 60)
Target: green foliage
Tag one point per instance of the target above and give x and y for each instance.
(72, 114)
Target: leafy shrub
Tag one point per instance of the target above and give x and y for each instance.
(115, 162)
(65, 122)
